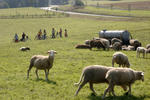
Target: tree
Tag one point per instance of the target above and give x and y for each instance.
(78, 3)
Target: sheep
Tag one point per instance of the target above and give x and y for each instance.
(41, 62)
(121, 59)
(129, 48)
(115, 40)
(122, 77)
(105, 42)
(82, 46)
(147, 46)
(117, 46)
(87, 42)
(140, 50)
(24, 48)
(135, 43)
(97, 43)
(93, 74)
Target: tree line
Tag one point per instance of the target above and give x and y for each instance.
(30, 3)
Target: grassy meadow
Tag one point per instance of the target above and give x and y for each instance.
(69, 61)
(94, 2)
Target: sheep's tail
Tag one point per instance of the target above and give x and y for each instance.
(81, 77)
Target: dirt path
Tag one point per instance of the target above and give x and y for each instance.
(76, 13)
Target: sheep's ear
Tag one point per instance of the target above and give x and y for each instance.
(55, 52)
(142, 73)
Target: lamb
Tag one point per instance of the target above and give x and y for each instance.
(97, 43)
(24, 48)
(93, 74)
(140, 50)
(117, 46)
(147, 46)
(82, 46)
(135, 43)
(121, 59)
(115, 40)
(41, 62)
(122, 77)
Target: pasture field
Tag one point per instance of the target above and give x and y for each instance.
(94, 2)
(69, 61)
(104, 11)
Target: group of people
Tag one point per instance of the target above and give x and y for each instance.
(23, 38)
(42, 35)
(54, 34)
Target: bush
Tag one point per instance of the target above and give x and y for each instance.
(78, 3)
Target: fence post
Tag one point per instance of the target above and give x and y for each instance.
(111, 6)
(129, 7)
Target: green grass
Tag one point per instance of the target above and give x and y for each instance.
(21, 11)
(68, 62)
(104, 11)
(94, 2)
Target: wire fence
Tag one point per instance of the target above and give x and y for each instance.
(23, 16)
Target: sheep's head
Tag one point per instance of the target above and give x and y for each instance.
(52, 52)
(140, 75)
(128, 64)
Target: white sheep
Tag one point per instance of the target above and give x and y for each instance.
(122, 77)
(121, 59)
(41, 62)
(140, 50)
(93, 74)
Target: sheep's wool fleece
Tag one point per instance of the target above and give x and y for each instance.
(121, 76)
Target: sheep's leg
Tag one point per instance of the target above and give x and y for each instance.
(129, 91)
(112, 62)
(36, 71)
(46, 75)
(113, 90)
(80, 86)
(30, 67)
(108, 89)
(91, 87)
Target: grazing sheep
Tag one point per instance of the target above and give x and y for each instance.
(115, 40)
(147, 46)
(140, 50)
(117, 46)
(122, 77)
(135, 43)
(24, 48)
(97, 43)
(121, 59)
(92, 74)
(41, 62)
(82, 46)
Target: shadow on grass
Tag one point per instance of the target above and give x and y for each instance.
(49, 81)
(124, 97)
